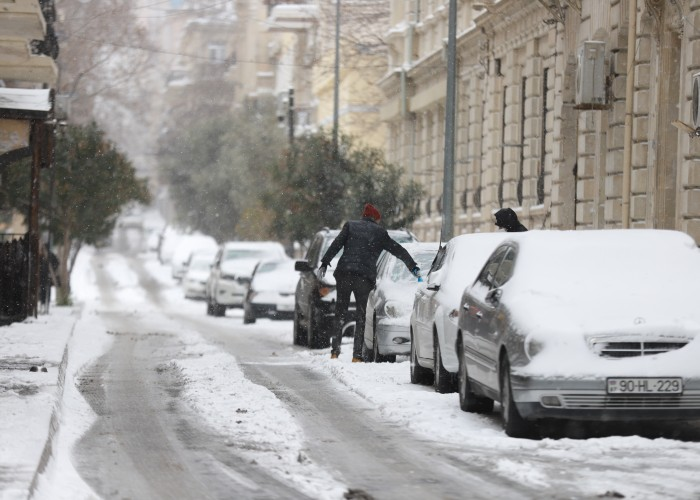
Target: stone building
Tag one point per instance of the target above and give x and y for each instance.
(546, 122)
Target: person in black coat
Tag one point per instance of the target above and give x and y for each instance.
(508, 220)
(362, 242)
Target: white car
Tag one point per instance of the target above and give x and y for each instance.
(183, 249)
(597, 325)
(271, 292)
(232, 269)
(436, 308)
(388, 314)
(194, 282)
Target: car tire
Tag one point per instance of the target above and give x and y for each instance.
(513, 423)
(468, 401)
(300, 334)
(248, 314)
(318, 334)
(443, 381)
(367, 353)
(419, 375)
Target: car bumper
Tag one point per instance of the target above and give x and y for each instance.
(394, 339)
(231, 293)
(196, 291)
(588, 400)
(279, 310)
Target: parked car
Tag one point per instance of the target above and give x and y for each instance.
(314, 299)
(436, 308)
(230, 274)
(183, 249)
(194, 282)
(591, 325)
(271, 291)
(387, 324)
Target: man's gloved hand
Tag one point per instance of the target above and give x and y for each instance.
(416, 271)
(321, 272)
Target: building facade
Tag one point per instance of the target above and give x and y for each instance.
(546, 120)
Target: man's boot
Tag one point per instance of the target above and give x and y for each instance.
(334, 355)
(357, 360)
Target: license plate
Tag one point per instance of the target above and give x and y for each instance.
(645, 385)
(285, 307)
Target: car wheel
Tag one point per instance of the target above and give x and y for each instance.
(300, 334)
(468, 401)
(419, 375)
(443, 381)
(513, 423)
(318, 333)
(210, 307)
(248, 314)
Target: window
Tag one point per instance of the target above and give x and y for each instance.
(488, 273)
(505, 270)
(216, 52)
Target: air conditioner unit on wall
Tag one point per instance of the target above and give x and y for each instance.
(590, 76)
(695, 101)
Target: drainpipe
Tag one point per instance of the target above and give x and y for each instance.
(629, 111)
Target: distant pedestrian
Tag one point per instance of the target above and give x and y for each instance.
(508, 220)
(362, 242)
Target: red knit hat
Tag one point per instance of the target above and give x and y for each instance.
(371, 211)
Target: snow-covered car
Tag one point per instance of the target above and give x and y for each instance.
(436, 308)
(597, 325)
(230, 274)
(271, 291)
(314, 309)
(390, 302)
(183, 249)
(194, 282)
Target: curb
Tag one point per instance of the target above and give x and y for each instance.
(55, 417)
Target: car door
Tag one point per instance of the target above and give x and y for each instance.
(488, 340)
(214, 274)
(476, 310)
(375, 300)
(425, 305)
(307, 280)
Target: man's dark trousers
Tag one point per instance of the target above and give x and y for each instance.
(346, 284)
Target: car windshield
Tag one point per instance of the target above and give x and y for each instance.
(266, 267)
(401, 273)
(200, 264)
(244, 253)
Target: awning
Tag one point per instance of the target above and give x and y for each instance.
(25, 104)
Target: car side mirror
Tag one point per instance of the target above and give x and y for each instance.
(494, 296)
(434, 287)
(302, 266)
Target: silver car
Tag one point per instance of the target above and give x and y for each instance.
(390, 302)
(596, 325)
(436, 308)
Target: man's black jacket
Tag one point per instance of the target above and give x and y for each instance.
(363, 241)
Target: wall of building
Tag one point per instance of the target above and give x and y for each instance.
(521, 140)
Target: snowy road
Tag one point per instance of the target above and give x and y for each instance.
(189, 406)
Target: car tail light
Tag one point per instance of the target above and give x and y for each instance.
(324, 290)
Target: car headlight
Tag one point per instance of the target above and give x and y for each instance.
(533, 347)
(395, 309)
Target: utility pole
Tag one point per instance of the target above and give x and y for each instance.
(449, 166)
(337, 80)
(291, 117)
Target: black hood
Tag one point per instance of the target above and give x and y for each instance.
(508, 220)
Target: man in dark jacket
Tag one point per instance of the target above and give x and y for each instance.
(508, 220)
(363, 241)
